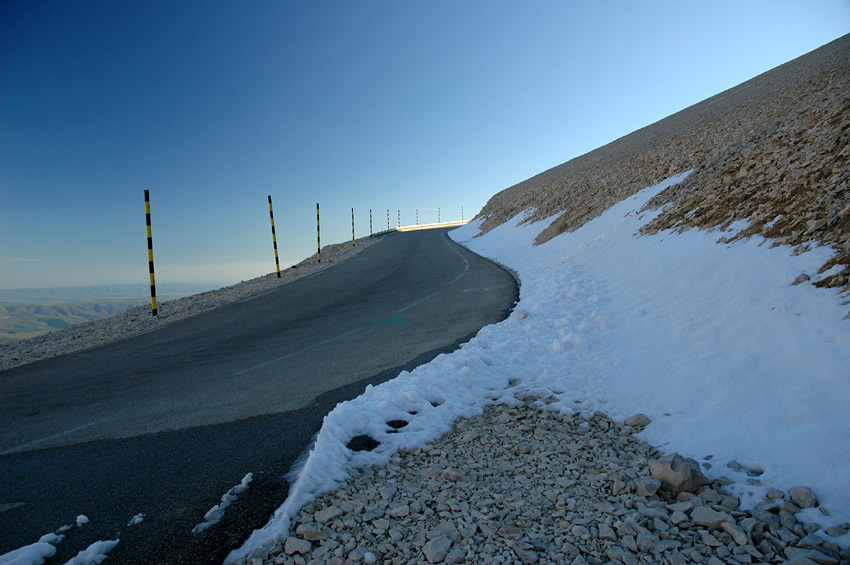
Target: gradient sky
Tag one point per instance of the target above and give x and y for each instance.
(212, 106)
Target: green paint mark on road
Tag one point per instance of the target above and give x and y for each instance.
(398, 319)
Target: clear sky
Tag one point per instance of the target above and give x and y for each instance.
(213, 106)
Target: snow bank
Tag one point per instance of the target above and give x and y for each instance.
(734, 364)
(712, 341)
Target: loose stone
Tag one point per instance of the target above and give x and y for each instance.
(803, 497)
(295, 545)
(638, 421)
(537, 487)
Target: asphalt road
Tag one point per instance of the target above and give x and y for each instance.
(166, 422)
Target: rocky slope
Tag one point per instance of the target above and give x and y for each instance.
(520, 484)
(774, 150)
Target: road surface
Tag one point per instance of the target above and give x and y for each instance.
(166, 422)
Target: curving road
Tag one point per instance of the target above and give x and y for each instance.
(166, 422)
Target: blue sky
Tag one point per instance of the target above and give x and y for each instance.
(212, 106)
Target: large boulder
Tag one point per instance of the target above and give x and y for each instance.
(678, 474)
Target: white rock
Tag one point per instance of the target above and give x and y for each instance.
(294, 545)
(638, 421)
(437, 549)
(678, 474)
(810, 554)
(704, 516)
(328, 514)
(399, 511)
(607, 533)
(737, 533)
(803, 497)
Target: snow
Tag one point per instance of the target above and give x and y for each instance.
(45, 547)
(136, 520)
(93, 554)
(736, 366)
(33, 554)
(216, 513)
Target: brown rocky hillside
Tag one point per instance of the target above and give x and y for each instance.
(773, 150)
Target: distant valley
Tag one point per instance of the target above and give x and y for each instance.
(24, 321)
(26, 313)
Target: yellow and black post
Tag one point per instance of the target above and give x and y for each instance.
(352, 227)
(274, 237)
(150, 250)
(318, 233)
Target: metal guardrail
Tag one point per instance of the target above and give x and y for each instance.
(421, 227)
(433, 226)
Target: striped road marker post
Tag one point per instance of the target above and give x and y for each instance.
(461, 213)
(417, 216)
(370, 224)
(318, 233)
(274, 237)
(439, 220)
(352, 227)
(388, 219)
(399, 218)
(150, 250)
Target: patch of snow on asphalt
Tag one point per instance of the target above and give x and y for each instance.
(94, 554)
(45, 548)
(136, 520)
(33, 554)
(216, 513)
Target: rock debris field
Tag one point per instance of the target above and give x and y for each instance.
(521, 484)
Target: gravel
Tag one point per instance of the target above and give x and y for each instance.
(522, 484)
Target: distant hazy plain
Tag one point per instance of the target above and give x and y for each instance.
(30, 312)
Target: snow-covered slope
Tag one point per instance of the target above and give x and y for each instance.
(736, 366)
(731, 360)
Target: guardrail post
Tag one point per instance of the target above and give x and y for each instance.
(318, 233)
(274, 238)
(150, 251)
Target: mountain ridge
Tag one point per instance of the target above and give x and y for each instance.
(773, 150)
